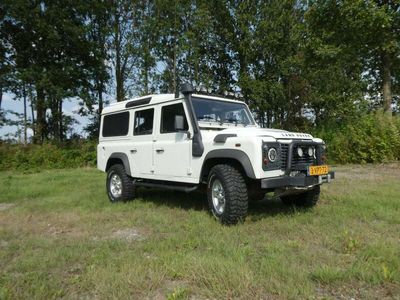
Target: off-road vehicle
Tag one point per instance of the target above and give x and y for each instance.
(191, 140)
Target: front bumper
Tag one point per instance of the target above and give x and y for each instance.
(295, 181)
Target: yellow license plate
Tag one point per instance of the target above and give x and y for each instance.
(318, 170)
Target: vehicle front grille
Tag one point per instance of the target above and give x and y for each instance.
(298, 163)
(284, 154)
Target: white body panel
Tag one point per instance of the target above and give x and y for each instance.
(169, 157)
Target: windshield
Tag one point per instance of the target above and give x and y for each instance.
(219, 111)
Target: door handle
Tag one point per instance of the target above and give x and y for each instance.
(160, 150)
(133, 151)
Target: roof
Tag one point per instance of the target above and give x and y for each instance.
(151, 100)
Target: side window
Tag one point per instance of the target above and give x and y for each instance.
(116, 124)
(143, 122)
(168, 114)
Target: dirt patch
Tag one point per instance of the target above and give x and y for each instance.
(357, 291)
(70, 225)
(54, 225)
(58, 230)
(128, 234)
(5, 206)
(171, 289)
(368, 172)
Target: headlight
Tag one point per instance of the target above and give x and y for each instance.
(300, 152)
(310, 151)
(272, 155)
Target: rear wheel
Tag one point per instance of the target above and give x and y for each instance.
(306, 199)
(227, 194)
(119, 184)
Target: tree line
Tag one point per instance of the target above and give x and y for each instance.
(299, 64)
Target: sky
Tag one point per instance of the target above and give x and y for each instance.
(69, 107)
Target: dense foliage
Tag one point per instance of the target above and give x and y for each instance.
(321, 65)
(370, 138)
(47, 156)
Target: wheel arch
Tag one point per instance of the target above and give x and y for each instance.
(237, 158)
(119, 158)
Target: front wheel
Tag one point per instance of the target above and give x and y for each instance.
(119, 184)
(306, 199)
(227, 194)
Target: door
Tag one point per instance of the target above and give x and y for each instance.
(172, 147)
(141, 150)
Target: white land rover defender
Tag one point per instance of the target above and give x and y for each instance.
(190, 141)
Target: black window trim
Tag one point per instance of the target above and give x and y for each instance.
(134, 120)
(110, 114)
(178, 101)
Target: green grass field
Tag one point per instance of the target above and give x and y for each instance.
(61, 238)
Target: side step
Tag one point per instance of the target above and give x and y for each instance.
(167, 186)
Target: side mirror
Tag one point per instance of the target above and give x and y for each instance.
(179, 123)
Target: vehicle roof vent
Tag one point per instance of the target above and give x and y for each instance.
(138, 102)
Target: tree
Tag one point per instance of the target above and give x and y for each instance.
(51, 52)
(92, 95)
(145, 80)
(120, 44)
(365, 32)
(206, 58)
(5, 61)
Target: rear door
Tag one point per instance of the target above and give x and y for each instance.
(172, 148)
(141, 150)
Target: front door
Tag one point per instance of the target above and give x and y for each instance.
(172, 148)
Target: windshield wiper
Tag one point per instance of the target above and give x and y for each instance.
(233, 120)
(229, 120)
(205, 118)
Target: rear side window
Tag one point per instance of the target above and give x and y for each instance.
(168, 114)
(116, 124)
(143, 122)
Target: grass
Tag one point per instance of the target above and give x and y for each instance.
(61, 238)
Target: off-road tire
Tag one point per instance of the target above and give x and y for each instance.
(128, 189)
(307, 199)
(236, 198)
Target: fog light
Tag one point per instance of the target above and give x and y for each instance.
(310, 151)
(300, 152)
